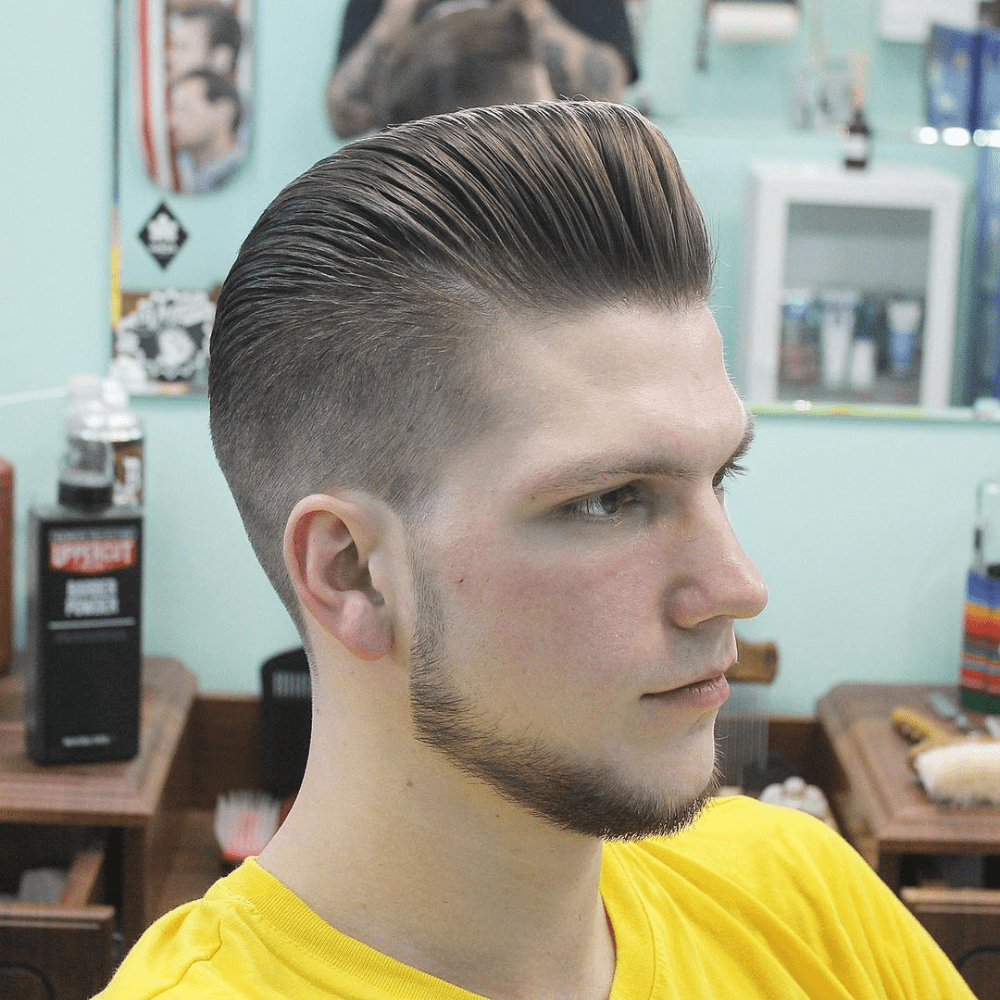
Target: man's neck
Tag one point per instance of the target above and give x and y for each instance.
(441, 874)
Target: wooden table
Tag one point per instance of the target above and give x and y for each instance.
(135, 801)
(877, 800)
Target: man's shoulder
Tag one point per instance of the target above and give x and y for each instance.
(177, 956)
(743, 838)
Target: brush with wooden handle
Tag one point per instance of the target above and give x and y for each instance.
(921, 731)
(959, 769)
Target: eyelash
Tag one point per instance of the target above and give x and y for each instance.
(629, 495)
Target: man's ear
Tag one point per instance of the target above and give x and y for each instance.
(328, 543)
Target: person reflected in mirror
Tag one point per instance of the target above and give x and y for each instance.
(586, 48)
(205, 117)
(467, 59)
(202, 35)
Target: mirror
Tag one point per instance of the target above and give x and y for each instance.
(724, 106)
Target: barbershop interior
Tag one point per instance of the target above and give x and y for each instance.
(846, 157)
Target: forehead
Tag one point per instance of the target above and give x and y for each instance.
(192, 31)
(629, 384)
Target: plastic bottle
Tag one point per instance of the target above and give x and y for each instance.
(979, 667)
(838, 311)
(799, 360)
(903, 317)
(98, 422)
(123, 429)
(84, 582)
(86, 465)
(862, 369)
(986, 540)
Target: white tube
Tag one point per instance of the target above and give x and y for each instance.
(904, 319)
(837, 334)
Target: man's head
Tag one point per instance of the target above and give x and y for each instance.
(469, 58)
(464, 372)
(354, 334)
(204, 114)
(203, 35)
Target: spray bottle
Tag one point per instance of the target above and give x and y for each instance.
(83, 676)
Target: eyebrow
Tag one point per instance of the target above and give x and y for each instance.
(583, 475)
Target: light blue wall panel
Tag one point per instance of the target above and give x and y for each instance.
(862, 529)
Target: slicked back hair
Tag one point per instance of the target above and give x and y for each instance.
(353, 333)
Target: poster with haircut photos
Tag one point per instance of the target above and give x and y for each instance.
(194, 67)
(161, 341)
(183, 184)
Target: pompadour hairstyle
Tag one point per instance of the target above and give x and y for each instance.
(354, 333)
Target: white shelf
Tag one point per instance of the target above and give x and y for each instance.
(883, 230)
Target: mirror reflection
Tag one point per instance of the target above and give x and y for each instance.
(837, 284)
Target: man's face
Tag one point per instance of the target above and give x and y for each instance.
(577, 578)
(196, 121)
(187, 49)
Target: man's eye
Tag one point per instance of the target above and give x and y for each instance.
(604, 506)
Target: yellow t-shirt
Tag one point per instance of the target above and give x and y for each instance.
(751, 902)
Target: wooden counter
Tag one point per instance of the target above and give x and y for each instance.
(134, 802)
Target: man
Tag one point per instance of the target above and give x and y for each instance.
(472, 406)
(470, 58)
(204, 121)
(203, 35)
(586, 47)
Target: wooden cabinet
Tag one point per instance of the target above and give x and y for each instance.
(62, 949)
(884, 812)
(966, 923)
(113, 825)
(879, 803)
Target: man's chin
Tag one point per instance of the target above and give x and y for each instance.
(665, 818)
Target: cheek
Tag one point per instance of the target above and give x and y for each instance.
(560, 620)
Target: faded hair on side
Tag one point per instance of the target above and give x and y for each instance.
(352, 333)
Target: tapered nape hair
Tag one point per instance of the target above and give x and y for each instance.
(354, 333)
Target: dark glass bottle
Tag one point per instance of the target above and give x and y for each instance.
(857, 145)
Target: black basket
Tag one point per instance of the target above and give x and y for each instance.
(285, 719)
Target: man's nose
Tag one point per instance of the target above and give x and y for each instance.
(716, 578)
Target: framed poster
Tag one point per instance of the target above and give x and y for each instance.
(184, 131)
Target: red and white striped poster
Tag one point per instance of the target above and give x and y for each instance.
(194, 76)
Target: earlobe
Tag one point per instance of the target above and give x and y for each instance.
(328, 544)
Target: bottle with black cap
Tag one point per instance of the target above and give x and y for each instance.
(857, 133)
(84, 649)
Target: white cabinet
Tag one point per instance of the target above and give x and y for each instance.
(882, 235)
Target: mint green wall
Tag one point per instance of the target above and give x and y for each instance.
(862, 528)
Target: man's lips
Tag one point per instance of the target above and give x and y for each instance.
(712, 686)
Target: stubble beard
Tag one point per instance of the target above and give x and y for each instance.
(569, 794)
